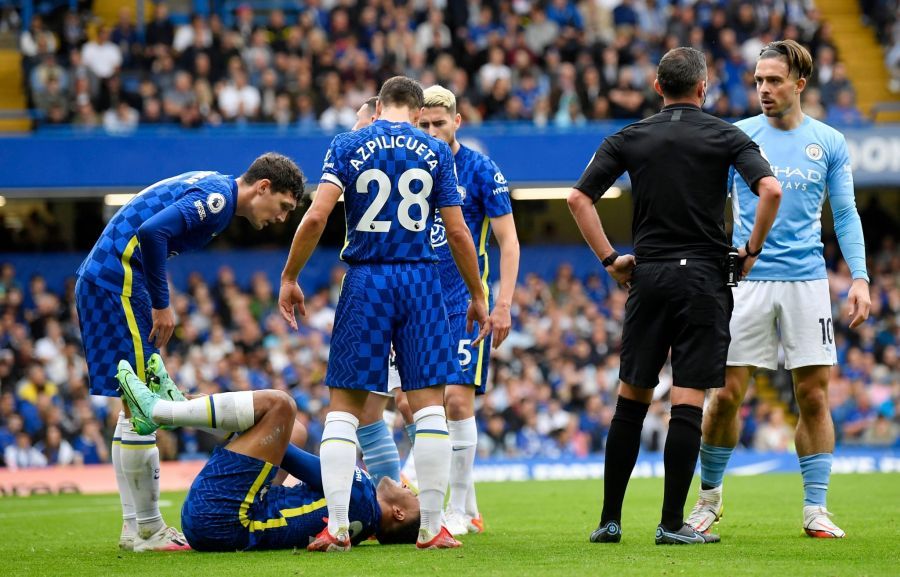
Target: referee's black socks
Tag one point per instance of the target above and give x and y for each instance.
(622, 446)
(681, 452)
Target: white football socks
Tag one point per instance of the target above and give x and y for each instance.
(227, 411)
(338, 457)
(432, 454)
(140, 468)
(129, 517)
(463, 440)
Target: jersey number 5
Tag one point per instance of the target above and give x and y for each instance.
(409, 198)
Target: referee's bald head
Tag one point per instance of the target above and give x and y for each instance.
(679, 72)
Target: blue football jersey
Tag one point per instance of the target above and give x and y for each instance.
(393, 177)
(485, 194)
(206, 200)
(809, 162)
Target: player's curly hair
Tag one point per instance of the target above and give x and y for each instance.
(401, 91)
(798, 58)
(283, 172)
(401, 533)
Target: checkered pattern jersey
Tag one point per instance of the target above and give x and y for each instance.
(206, 200)
(232, 505)
(393, 177)
(485, 195)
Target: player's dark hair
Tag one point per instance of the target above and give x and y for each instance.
(798, 58)
(370, 104)
(283, 172)
(406, 531)
(680, 70)
(402, 92)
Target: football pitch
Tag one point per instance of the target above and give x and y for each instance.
(533, 529)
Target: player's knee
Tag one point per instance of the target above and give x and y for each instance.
(812, 399)
(403, 407)
(282, 404)
(458, 404)
(726, 401)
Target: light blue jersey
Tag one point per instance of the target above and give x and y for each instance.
(809, 162)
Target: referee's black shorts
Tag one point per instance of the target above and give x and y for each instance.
(682, 305)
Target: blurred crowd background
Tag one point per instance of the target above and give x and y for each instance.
(552, 384)
(311, 64)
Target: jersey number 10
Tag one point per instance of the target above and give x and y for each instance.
(409, 198)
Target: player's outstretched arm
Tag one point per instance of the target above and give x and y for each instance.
(769, 191)
(463, 249)
(504, 228)
(588, 220)
(305, 240)
(154, 236)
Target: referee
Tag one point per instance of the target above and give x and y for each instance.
(678, 161)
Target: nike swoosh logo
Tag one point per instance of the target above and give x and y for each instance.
(459, 448)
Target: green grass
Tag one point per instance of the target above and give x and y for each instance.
(534, 529)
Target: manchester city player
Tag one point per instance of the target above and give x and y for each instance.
(486, 207)
(236, 504)
(122, 298)
(788, 287)
(392, 176)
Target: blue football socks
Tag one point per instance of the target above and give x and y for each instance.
(379, 451)
(816, 471)
(713, 462)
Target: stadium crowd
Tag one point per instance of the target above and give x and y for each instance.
(312, 64)
(553, 381)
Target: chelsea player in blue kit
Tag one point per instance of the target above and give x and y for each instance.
(486, 207)
(236, 504)
(392, 176)
(122, 299)
(787, 291)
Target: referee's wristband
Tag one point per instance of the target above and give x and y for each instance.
(610, 260)
(749, 252)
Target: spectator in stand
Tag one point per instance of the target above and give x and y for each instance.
(238, 100)
(22, 454)
(101, 56)
(843, 112)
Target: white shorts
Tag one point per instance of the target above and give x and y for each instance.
(393, 382)
(798, 311)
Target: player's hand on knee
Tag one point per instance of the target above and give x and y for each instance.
(501, 321)
(290, 296)
(163, 326)
(860, 302)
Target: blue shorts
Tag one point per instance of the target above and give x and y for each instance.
(473, 360)
(113, 327)
(397, 303)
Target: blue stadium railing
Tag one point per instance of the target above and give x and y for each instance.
(69, 157)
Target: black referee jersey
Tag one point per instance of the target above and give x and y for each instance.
(678, 161)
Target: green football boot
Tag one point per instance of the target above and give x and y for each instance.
(159, 381)
(138, 397)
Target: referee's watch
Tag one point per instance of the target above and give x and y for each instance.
(610, 260)
(749, 252)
